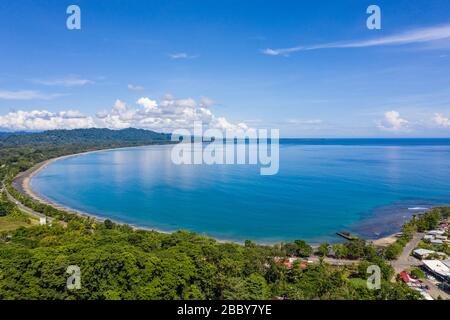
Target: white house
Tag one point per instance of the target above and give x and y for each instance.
(425, 253)
(437, 242)
(438, 269)
(436, 232)
(446, 262)
(428, 237)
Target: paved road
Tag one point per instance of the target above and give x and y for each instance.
(24, 208)
(434, 291)
(335, 262)
(405, 260)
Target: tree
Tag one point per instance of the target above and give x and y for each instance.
(323, 250)
(370, 252)
(290, 249)
(108, 224)
(256, 288)
(3, 209)
(355, 248)
(393, 251)
(417, 273)
(303, 249)
(6, 207)
(445, 211)
(428, 220)
(340, 250)
(249, 243)
(193, 293)
(408, 230)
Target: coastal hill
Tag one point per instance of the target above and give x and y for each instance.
(83, 136)
(19, 151)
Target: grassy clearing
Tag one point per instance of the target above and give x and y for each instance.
(16, 220)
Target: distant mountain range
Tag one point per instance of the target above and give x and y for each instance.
(83, 136)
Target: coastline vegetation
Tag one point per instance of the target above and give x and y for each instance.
(119, 262)
(11, 218)
(420, 223)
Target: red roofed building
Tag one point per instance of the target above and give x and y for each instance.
(289, 262)
(406, 278)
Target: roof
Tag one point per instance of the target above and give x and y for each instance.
(446, 262)
(405, 277)
(422, 252)
(438, 267)
(436, 232)
(289, 262)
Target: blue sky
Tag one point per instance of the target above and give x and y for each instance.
(161, 64)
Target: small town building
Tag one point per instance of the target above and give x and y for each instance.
(438, 269)
(290, 262)
(437, 242)
(436, 232)
(405, 277)
(447, 263)
(425, 253)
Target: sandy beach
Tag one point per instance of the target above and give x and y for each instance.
(385, 241)
(23, 181)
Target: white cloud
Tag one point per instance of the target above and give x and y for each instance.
(147, 103)
(166, 115)
(305, 122)
(441, 120)
(206, 102)
(102, 114)
(71, 81)
(181, 55)
(27, 95)
(45, 120)
(414, 36)
(222, 124)
(393, 122)
(133, 87)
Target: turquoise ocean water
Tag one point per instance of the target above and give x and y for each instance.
(365, 186)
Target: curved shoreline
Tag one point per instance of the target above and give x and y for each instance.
(22, 183)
